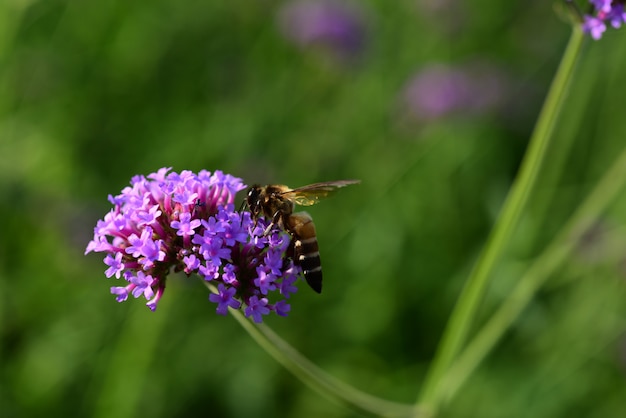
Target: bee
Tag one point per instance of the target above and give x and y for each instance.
(277, 202)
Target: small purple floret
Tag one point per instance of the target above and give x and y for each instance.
(282, 308)
(257, 308)
(143, 285)
(185, 226)
(115, 265)
(594, 27)
(225, 298)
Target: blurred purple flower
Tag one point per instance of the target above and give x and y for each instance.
(439, 90)
(337, 26)
(187, 222)
(604, 11)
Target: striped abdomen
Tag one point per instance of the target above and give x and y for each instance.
(306, 250)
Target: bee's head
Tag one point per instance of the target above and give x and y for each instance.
(253, 200)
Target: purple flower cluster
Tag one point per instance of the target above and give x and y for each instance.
(604, 11)
(188, 222)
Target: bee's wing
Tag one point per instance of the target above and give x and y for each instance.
(312, 193)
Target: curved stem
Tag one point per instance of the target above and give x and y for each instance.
(315, 377)
(464, 312)
(606, 190)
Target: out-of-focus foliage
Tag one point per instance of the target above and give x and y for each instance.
(92, 93)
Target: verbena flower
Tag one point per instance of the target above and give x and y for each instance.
(603, 12)
(337, 26)
(440, 90)
(187, 222)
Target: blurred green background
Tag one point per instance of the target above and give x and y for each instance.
(94, 92)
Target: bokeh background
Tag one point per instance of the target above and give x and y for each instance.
(429, 103)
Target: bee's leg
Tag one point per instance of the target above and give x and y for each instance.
(297, 250)
(275, 220)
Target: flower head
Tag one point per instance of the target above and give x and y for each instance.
(603, 12)
(187, 222)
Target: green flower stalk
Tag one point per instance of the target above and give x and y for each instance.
(465, 310)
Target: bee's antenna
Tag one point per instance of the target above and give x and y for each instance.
(197, 205)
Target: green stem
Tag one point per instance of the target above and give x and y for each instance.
(560, 248)
(464, 312)
(315, 377)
